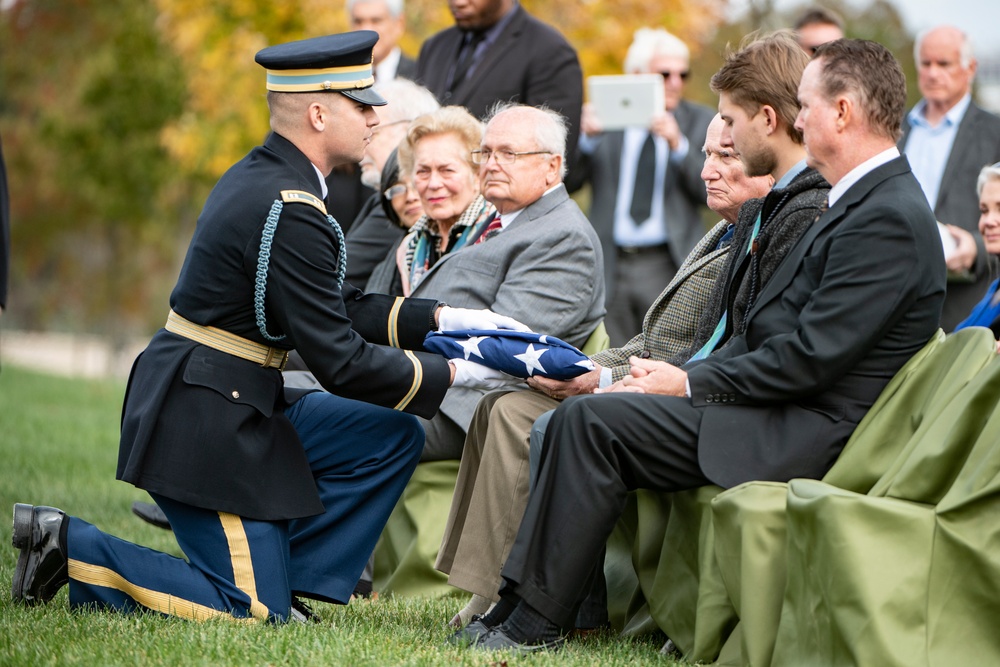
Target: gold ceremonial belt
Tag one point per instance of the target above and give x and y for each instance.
(223, 341)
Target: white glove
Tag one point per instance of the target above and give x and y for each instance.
(476, 376)
(454, 319)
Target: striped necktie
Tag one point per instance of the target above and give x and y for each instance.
(492, 229)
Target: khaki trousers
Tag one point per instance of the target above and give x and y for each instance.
(491, 492)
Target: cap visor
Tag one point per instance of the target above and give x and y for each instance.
(365, 96)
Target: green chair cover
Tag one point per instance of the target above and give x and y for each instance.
(409, 544)
(749, 520)
(908, 574)
(629, 545)
(597, 341)
(686, 594)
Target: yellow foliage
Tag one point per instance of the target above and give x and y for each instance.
(226, 114)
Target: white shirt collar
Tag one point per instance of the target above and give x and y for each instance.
(322, 182)
(386, 70)
(507, 218)
(856, 174)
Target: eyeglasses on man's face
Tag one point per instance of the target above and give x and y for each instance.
(483, 156)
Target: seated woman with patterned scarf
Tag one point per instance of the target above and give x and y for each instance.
(437, 153)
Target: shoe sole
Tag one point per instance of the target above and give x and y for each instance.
(21, 538)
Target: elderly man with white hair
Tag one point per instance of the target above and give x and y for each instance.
(388, 19)
(372, 235)
(647, 194)
(948, 139)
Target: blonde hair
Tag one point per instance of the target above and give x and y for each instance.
(446, 120)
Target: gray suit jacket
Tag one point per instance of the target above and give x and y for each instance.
(977, 144)
(545, 270)
(683, 194)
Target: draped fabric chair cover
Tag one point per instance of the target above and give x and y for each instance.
(908, 574)
(409, 544)
(750, 522)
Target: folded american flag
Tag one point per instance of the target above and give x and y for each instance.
(517, 353)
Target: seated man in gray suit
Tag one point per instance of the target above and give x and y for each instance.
(539, 261)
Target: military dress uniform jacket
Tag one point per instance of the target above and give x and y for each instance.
(207, 428)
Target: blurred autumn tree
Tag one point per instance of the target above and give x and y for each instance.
(878, 21)
(225, 114)
(87, 90)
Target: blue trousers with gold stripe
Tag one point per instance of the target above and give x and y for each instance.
(362, 457)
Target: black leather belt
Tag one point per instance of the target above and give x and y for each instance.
(643, 249)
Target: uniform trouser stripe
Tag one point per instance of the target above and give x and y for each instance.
(239, 551)
(95, 575)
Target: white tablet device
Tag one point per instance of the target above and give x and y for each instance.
(625, 100)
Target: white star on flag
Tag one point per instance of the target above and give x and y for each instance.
(530, 359)
(471, 346)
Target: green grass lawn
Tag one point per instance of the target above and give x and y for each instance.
(59, 446)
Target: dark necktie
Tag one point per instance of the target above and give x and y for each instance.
(466, 57)
(642, 192)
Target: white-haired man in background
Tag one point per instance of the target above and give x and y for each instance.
(647, 192)
(948, 139)
(388, 19)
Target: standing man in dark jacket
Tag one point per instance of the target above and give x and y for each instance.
(948, 139)
(498, 52)
(269, 493)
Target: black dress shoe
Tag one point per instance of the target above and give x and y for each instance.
(302, 612)
(41, 566)
(471, 633)
(151, 513)
(497, 640)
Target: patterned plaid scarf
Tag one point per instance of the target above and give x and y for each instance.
(423, 247)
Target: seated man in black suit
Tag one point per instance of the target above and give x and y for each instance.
(777, 401)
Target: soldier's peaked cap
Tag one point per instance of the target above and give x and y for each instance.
(341, 63)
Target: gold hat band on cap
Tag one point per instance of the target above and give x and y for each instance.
(331, 78)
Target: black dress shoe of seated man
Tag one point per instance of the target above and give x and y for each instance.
(498, 640)
(471, 633)
(151, 513)
(40, 534)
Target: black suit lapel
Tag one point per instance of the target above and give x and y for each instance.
(789, 266)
